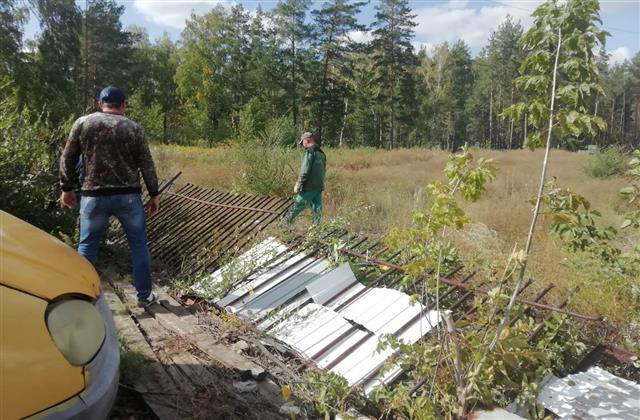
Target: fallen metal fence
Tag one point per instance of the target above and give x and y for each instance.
(197, 227)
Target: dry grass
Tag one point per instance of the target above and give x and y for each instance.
(388, 185)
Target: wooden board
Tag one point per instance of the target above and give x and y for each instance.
(156, 386)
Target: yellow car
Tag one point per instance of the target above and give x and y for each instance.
(59, 354)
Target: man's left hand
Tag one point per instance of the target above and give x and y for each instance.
(68, 199)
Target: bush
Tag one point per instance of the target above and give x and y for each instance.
(29, 154)
(610, 161)
(265, 164)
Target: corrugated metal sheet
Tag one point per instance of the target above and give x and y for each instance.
(324, 313)
(594, 394)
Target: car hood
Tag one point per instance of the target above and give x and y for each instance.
(35, 262)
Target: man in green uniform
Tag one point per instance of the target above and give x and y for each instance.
(310, 183)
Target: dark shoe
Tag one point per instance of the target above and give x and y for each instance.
(148, 301)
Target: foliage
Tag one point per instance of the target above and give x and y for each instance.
(131, 363)
(264, 163)
(330, 37)
(574, 25)
(149, 116)
(610, 161)
(330, 392)
(632, 193)
(428, 244)
(427, 248)
(394, 64)
(307, 61)
(252, 120)
(574, 221)
(29, 154)
(512, 371)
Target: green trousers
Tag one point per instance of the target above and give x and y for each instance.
(314, 198)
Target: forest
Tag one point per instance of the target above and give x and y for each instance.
(235, 74)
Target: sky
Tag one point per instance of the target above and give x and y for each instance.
(470, 20)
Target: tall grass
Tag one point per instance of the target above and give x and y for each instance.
(389, 186)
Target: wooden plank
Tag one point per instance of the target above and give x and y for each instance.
(155, 380)
(203, 340)
(193, 369)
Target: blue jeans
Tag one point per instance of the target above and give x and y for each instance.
(128, 208)
(314, 198)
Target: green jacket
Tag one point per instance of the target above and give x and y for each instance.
(312, 170)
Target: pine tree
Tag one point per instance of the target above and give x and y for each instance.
(394, 59)
(332, 25)
(106, 50)
(293, 33)
(58, 59)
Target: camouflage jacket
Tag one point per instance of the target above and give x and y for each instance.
(114, 150)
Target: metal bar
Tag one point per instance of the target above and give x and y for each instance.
(483, 291)
(537, 298)
(168, 183)
(187, 214)
(186, 221)
(241, 222)
(474, 308)
(201, 231)
(209, 203)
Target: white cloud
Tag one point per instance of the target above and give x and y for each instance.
(619, 55)
(360, 36)
(456, 20)
(174, 13)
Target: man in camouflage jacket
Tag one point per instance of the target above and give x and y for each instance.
(115, 151)
(310, 184)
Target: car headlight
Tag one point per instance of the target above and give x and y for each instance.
(77, 329)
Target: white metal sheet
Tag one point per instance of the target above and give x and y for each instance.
(362, 361)
(254, 288)
(594, 394)
(308, 327)
(376, 308)
(269, 300)
(353, 290)
(253, 259)
(336, 351)
(284, 312)
(331, 283)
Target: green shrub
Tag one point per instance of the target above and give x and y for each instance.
(265, 163)
(29, 154)
(610, 161)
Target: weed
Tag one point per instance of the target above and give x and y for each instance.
(608, 162)
(131, 363)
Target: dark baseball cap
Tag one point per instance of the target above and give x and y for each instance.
(112, 95)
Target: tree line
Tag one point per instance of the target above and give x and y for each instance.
(235, 74)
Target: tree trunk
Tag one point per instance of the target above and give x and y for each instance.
(536, 211)
(491, 145)
(294, 106)
(323, 87)
(511, 123)
(344, 120)
(613, 110)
